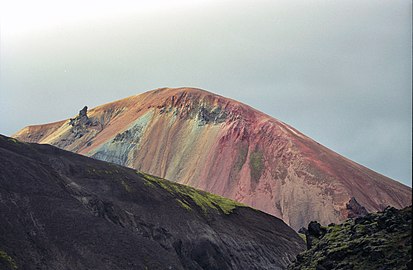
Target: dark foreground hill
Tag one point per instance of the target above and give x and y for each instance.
(377, 241)
(60, 210)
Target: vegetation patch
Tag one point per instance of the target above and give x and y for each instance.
(7, 259)
(14, 140)
(302, 236)
(376, 241)
(206, 201)
(184, 204)
(147, 182)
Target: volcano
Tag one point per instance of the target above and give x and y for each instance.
(222, 146)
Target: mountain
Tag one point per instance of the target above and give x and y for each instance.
(60, 210)
(376, 241)
(227, 148)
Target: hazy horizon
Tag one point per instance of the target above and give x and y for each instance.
(340, 72)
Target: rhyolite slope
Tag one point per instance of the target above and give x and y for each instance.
(376, 241)
(60, 210)
(227, 148)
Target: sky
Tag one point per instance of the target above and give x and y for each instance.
(338, 71)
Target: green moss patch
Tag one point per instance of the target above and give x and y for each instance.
(302, 236)
(376, 241)
(187, 195)
(184, 204)
(14, 140)
(7, 259)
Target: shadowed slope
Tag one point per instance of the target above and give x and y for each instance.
(225, 147)
(60, 210)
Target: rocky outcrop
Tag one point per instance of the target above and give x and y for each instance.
(355, 209)
(61, 210)
(228, 148)
(80, 123)
(375, 241)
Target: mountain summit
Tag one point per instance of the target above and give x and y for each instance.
(228, 148)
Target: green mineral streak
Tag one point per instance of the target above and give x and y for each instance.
(206, 201)
(256, 164)
(9, 260)
(242, 157)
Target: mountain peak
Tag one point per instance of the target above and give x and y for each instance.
(188, 102)
(225, 147)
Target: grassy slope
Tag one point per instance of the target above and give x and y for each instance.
(185, 194)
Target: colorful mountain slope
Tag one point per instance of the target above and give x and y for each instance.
(60, 210)
(224, 147)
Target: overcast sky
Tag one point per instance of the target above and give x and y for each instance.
(339, 71)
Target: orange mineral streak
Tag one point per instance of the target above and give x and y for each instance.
(37, 133)
(228, 148)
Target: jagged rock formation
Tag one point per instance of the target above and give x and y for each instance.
(80, 120)
(80, 123)
(61, 210)
(222, 146)
(376, 241)
(355, 209)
